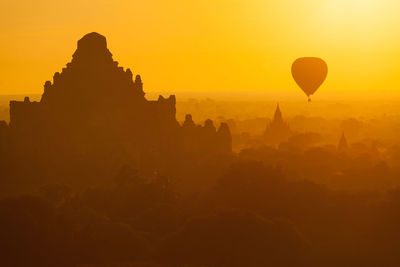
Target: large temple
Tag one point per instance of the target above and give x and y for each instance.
(94, 108)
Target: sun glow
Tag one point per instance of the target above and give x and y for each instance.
(238, 45)
(357, 13)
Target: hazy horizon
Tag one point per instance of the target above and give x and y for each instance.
(229, 133)
(293, 94)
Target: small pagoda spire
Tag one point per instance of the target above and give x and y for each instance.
(343, 145)
(278, 114)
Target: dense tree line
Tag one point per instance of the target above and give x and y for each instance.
(253, 216)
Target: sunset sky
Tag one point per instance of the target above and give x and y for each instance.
(208, 45)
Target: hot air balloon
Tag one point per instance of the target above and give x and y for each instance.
(309, 73)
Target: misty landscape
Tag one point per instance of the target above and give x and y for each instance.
(229, 133)
(95, 172)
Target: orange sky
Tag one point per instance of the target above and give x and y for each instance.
(208, 45)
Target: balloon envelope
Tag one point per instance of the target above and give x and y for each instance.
(309, 73)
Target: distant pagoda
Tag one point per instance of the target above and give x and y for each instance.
(343, 145)
(278, 130)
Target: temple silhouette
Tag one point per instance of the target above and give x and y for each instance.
(278, 130)
(343, 144)
(95, 112)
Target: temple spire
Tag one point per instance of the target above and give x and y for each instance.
(277, 131)
(278, 114)
(343, 145)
